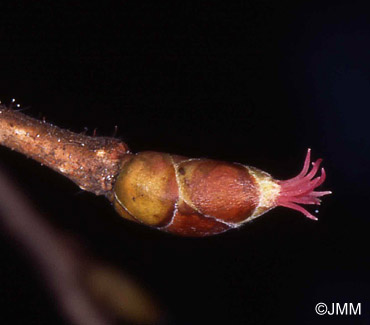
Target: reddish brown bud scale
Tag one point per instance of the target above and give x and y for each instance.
(146, 188)
(188, 222)
(222, 190)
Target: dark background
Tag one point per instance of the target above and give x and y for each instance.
(257, 82)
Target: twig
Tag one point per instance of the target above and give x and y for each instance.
(91, 162)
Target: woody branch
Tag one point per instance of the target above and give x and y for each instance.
(91, 162)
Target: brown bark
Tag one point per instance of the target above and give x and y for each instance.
(91, 162)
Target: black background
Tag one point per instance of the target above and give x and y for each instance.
(257, 82)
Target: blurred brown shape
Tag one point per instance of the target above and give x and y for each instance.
(88, 291)
(122, 295)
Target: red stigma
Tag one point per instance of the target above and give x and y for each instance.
(301, 189)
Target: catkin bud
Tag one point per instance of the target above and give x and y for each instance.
(200, 197)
